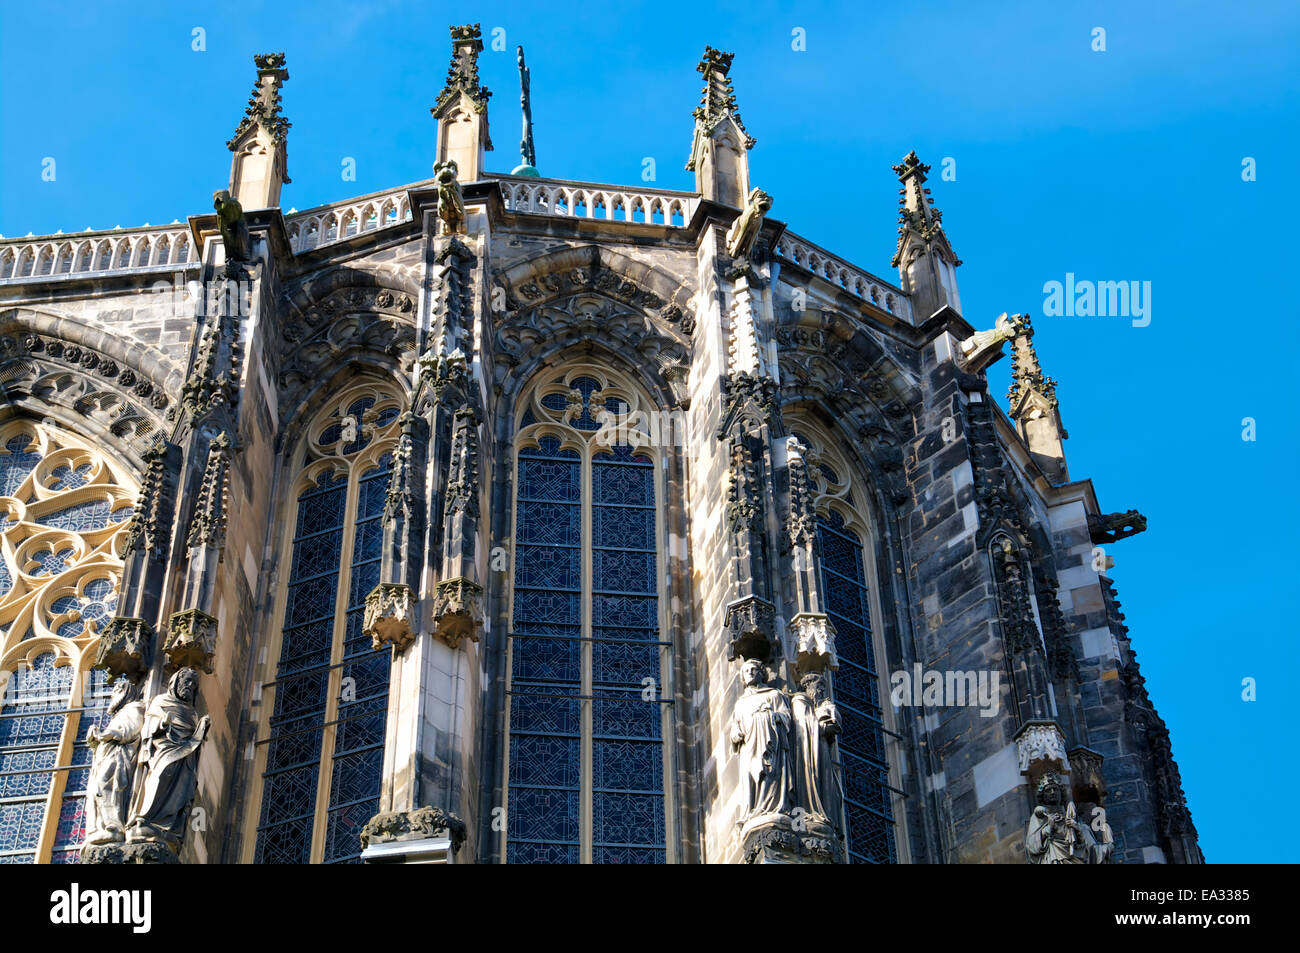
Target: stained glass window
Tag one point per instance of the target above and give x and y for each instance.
(586, 754)
(865, 768)
(325, 743)
(63, 507)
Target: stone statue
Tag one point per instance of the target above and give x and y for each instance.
(816, 725)
(451, 204)
(234, 229)
(760, 731)
(168, 763)
(1054, 835)
(744, 230)
(115, 749)
(1095, 817)
(982, 344)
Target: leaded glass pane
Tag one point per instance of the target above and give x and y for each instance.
(31, 723)
(302, 677)
(861, 745)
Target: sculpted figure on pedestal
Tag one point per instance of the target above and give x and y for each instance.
(816, 725)
(1055, 835)
(168, 764)
(108, 800)
(451, 205)
(760, 731)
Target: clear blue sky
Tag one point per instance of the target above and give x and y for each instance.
(1122, 165)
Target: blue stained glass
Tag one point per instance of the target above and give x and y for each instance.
(67, 478)
(16, 462)
(35, 705)
(293, 761)
(868, 812)
(628, 806)
(86, 516)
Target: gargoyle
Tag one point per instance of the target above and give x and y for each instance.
(451, 204)
(234, 229)
(744, 230)
(1115, 526)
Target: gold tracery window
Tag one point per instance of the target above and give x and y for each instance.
(65, 507)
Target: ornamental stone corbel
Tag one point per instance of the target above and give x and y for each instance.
(426, 835)
(125, 648)
(191, 640)
(458, 610)
(390, 607)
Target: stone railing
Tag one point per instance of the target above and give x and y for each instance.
(837, 271)
(607, 202)
(88, 253)
(327, 224)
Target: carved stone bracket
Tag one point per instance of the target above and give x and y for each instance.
(751, 629)
(1040, 747)
(191, 640)
(424, 835)
(390, 607)
(125, 648)
(458, 610)
(781, 844)
(140, 852)
(815, 641)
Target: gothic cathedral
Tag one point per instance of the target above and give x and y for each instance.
(504, 519)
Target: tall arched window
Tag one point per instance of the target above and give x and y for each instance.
(588, 695)
(323, 743)
(864, 760)
(64, 507)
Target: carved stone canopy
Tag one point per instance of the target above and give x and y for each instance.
(390, 608)
(751, 629)
(191, 640)
(1040, 746)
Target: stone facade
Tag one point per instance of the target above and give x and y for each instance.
(792, 396)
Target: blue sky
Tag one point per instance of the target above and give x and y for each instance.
(1116, 165)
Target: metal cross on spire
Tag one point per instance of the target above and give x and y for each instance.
(527, 154)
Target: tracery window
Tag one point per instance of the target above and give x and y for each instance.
(588, 702)
(64, 507)
(322, 748)
(864, 760)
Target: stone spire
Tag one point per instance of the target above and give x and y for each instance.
(1031, 403)
(719, 151)
(260, 165)
(926, 263)
(461, 109)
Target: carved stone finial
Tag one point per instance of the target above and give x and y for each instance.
(264, 108)
(717, 98)
(462, 74)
